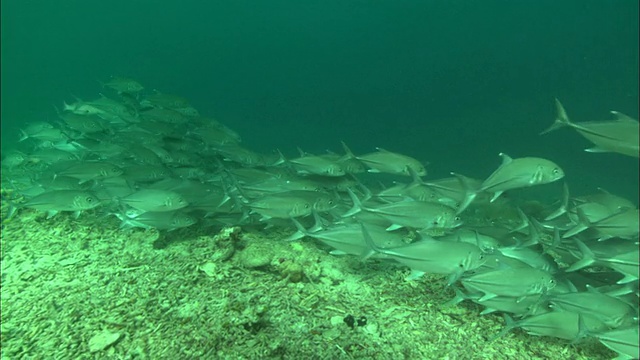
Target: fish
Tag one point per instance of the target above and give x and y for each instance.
(611, 201)
(51, 156)
(163, 115)
(281, 206)
(514, 282)
(486, 243)
(410, 213)
(145, 172)
(432, 256)
(519, 173)
(624, 341)
(617, 254)
(417, 190)
(154, 200)
(89, 170)
(619, 135)
(317, 165)
(623, 223)
(345, 238)
(279, 184)
(112, 111)
(561, 324)
(384, 161)
(235, 153)
(525, 306)
(214, 133)
(533, 257)
(164, 220)
(322, 201)
(141, 154)
(14, 158)
(45, 134)
(123, 85)
(84, 124)
(611, 311)
(63, 200)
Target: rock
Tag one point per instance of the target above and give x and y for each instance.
(103, 340)
(256, 255)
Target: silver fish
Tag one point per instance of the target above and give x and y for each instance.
(63, 200)
(611, 201)
(410, 213)
(13, 159)
(317, 165)
(624, 341)
(161, 100)
(346, 238)
(90, 170)
(51, 156)
(611, 311)
(84, 123)
(623, 223)
(163, 115)
(521, 173)
(155, 200)
(619, 135)
(384, 161)
(432, 256)
(167, 220)
(281, 206)
(123, 85)
(620, 255)
(241, 155)
(513, 282)
(561, 324)
(45, 134)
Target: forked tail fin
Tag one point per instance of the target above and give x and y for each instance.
(562, 119)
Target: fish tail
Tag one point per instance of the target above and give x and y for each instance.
(588, 258)
(67, 107)
(561, 120)
(562, 209)
(348, 153)
(510, 324)
(357, 205)
(302, 232)
(318, 222)
(583, 224)
(372, 248)
(23, 136)
(281, 159)
(469, 195)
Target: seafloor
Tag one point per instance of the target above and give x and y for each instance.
(83, 289)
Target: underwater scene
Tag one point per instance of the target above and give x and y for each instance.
(320, 180)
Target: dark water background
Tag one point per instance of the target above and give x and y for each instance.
(449, 82)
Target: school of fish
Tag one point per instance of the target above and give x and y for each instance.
(567, 270)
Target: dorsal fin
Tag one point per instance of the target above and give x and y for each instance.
(622, 117)
(505, 159)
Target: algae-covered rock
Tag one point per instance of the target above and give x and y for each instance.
(256, 255)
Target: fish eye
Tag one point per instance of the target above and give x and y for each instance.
(89, 199)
